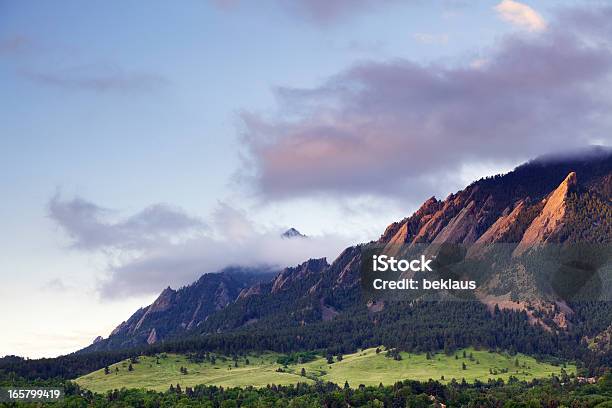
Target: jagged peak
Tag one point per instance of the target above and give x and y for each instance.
(292, 233)
(431, 200)
(399, 230)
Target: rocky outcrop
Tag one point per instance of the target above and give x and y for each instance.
(549, 221)
(163, 302)
(254, 290)
(501, 229)
(403, 231)
(290, 275)
(152, 339)
(462, 228)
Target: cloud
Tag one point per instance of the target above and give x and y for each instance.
(98, 78)
(430, 39)
(404, 129)
(318, 12)
(91, 227)
(520, 15)
(55, 285)
(328, 11)
(161, 245)
(181, 264)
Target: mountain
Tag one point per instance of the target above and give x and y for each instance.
(178, 311)
(550, 200)
(292, 233)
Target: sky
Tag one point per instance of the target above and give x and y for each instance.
(144, 144)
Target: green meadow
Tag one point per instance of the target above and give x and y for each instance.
(368, 368)
(364, 367)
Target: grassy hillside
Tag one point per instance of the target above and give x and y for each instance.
(365, 367)
(369, 368)
(147, 373)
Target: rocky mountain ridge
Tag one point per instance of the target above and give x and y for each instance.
(548, 200)
(178, 311)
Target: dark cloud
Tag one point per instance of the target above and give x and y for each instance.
(161, 245)
(98, 78)
(399, 127)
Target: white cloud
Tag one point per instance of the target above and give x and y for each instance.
(520, 15)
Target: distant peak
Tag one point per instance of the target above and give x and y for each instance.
(292, 233)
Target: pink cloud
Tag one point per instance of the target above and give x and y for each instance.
(394, 127)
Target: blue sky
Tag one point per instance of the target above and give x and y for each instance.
(110, 108)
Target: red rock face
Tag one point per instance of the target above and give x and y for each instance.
(474, 215)
(500, 230)
(411, 224)
(526, 208)
(550, 220)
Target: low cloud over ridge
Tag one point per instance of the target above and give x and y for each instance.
(162, 245)
(392, 127)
